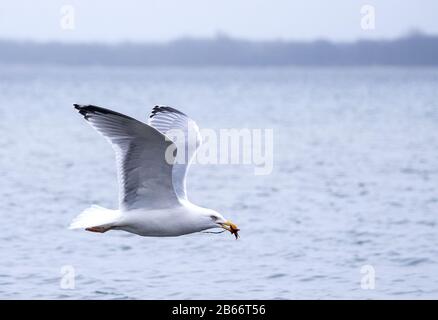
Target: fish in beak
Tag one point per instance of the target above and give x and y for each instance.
(228, 225)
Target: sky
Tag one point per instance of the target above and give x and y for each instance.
(164, 20)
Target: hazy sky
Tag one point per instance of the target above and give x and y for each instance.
(162, 20)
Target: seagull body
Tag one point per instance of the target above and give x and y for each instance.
(152, 185)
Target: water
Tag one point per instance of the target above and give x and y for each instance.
(354, 183)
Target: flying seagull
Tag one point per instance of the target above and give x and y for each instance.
(152, 189)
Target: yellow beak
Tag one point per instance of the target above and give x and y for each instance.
(228, 225)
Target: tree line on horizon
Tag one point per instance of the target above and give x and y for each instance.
(412, 50)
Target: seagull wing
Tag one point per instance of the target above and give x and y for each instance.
(145, 177)
(185, 134)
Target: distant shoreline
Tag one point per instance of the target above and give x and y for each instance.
(413, 50)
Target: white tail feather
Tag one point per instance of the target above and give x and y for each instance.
(95, 216)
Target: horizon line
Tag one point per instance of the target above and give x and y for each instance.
(222, 36)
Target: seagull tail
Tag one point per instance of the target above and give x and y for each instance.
(95, 216)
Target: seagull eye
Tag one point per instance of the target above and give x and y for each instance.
(214, 218)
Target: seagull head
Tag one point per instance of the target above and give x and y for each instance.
(218, 220)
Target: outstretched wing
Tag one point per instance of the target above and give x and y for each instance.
(184, 132)
(145, 175)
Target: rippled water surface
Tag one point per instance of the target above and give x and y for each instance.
(355, 182)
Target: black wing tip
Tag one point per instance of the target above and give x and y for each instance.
(162, 109)
(88, 107)
(87, 110)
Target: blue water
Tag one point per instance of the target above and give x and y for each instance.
(355, 182)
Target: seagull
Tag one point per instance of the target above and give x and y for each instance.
(152, 186)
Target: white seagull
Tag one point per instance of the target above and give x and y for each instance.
(152, 190)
